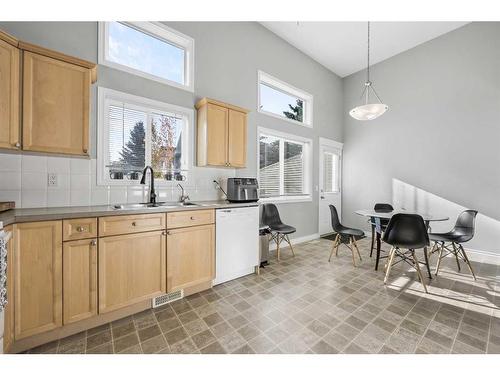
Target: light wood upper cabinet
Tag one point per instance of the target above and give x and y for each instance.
(56, 97)
(221, 134)
(132, 268)
(9, 92)
(37, 277)
(190, 256)
(237, 144)
(79, 280)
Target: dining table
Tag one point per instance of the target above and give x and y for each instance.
(375, 217)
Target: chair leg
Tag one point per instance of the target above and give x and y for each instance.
(434, 249)
(352, 251)
(467, 261)
(333, 246)
(455, 252)
(278, 246)
(373, 241)
(417, 266)
(440, 256)
(289, 244)
(356, 246)
(388, 266)
(338, 245)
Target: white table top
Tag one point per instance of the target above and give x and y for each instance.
(388, 214)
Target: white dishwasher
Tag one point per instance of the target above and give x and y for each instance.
(237, 243)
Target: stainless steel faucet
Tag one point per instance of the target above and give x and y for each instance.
(152, 194)
(184, 197)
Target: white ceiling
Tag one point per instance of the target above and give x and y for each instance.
(341, 46)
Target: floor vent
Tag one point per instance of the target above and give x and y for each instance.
(167, 298)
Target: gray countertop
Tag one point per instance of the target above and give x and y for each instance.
(22, 215)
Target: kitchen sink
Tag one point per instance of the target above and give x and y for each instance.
(140, 206)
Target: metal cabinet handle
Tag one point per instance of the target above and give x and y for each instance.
(93, 243)
(18, 145)
(134, 223)
(192, 217)
(80, 229)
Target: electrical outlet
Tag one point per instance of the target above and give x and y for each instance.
(52, 179)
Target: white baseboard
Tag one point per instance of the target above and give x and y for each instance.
(483, 256)
(296, 240)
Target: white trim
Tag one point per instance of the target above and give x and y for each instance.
(277, 84)
(308, 165)
(105, 94)
(160, 31)
(295, 241)
(330, 143)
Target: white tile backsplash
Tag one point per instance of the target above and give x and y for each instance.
(34, 163)
(24, 180)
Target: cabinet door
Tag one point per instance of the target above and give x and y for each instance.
(9, 96)
(79, 280)
(55, 105)
(37, 277)
(132, 268)
(217, 135)
(8, 336)
(190, 256)
(237, 143)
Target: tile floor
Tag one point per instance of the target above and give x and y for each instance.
(307, 305)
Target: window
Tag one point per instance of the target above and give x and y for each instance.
(330, 172)
(135, 132)
(148, 49)
(278, 99)
(284, 166)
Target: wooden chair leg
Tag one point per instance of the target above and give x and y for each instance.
(467, 261)
(337, 247)
(352, 251)
(417, 266)
(440, 256)
(289, 244)
(278, 246)
(356, 246)
(455, 252)
(373, 241)
(388, 266)
(334, 246)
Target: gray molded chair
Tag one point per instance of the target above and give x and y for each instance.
(379, 207)
(462, 232)
(405, 233)
(279, 230)
(345, 235)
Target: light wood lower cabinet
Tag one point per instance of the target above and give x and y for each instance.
(190, 256)
(8, 335)
(79, 280)
(37, 277)
(132, 268)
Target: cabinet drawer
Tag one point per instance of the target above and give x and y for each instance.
(79, 229)
(113, 225)
(190, 218)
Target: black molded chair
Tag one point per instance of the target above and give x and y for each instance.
(462, 232)
(379, 207)
(345, 235)
(279, 230)
(405, 233)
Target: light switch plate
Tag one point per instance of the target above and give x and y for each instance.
(52, 179)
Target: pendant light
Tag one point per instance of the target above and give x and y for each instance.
(369, 110)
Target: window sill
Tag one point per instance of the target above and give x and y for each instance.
(271, 114)
(290, 199)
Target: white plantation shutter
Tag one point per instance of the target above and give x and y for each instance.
(330, 172)
(281, 170)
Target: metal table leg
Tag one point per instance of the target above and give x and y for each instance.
(426, 255)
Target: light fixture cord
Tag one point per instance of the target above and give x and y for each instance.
(368, 68)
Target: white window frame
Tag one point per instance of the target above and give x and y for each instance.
(286, 88)
(339, 148)
(307, 152)
(160, 31)
(107, 96)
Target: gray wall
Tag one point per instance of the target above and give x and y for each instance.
(227, 57)
(437, 148)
